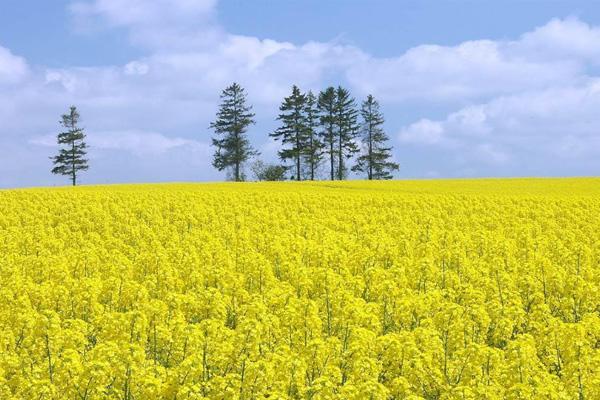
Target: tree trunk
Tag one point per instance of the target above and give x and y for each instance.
(237, 158)
(331, 157)
(297, 156)
(340, 159)
(73, 175)
(370, 152)
(312, 158)
(237, 138)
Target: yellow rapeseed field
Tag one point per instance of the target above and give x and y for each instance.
(442, 289)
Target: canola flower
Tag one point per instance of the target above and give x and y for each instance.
(448, 289)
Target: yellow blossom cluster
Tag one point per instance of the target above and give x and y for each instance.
(447, 289)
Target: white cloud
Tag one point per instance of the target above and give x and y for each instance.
(138, 143)
(532, 127)
(65, 79)
(489, 153)
(136, 68)
(473, 70)
(12, 68)
(153, 23)
(561, 39)
(470, 70)
(424, 131)
(144, 12)
(186, 39)
(251, 51)
(143, 143)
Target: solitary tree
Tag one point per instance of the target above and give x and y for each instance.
(71, 158)
(230, 127)
(313, 148)
(293, 130)
(375, 159)
(346, 117)
(327, 116)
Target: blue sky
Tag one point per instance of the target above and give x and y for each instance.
(469, 88)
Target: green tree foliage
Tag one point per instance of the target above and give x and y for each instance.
(346, 117)
(375, 159)
(293, 130)
(233, 148)
(71, 157)
(327, 117)
(313, 148)
(268, 172)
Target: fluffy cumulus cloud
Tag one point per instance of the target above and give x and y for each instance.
(562, 39)
(558, 53)
(522, 106)
(556, 129)
(546, 124)
(12, 68)
(471, 70)
(153, 23)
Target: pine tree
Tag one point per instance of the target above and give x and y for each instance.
(230, 126)
(293, 131)
(314, 147)
(71, 157)
(327, 117)
(346, 117)
(375, 160)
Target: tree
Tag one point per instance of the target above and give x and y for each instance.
(375, 160)
(268, 172)
(71, 158)
(346, 117)
(327, 118)
(313, 147)
(230, 126)
(292, 132)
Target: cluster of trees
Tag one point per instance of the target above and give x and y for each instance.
(328, 129)
(314, 130)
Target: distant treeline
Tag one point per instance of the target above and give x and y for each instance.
(316, 132)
